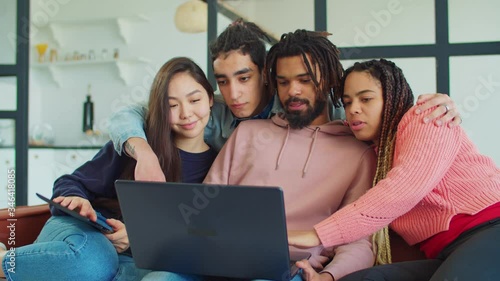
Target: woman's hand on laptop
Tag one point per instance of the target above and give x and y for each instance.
(303, 238)
(119, 238)
(310, 274)
(79, 204)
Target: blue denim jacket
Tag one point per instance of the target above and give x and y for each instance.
(129, 122)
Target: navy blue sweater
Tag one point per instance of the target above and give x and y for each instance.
(95, 180)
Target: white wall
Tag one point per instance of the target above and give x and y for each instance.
(8, 92)
(474, 21)
(8, 14)
(157, 40)
(277, 16)
(475, 86)
(381, 22)
(475, 80)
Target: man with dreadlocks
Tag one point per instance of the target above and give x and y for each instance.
(238, 56)
(319, 164)
(445, 197)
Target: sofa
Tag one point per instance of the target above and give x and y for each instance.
(30, 220)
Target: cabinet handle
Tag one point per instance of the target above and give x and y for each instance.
(73, 156)
(36, 156)
(7, 162)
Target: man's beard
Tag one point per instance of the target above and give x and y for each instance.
(299, 119)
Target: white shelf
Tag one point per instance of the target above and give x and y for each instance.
(122, 24)
(58, 69)
(75, 35)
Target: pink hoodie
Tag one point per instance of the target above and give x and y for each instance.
(320, 169)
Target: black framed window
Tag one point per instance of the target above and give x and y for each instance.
(14, 71)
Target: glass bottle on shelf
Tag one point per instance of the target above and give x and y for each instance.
(53, 55)
(104, 54)
(88, 114)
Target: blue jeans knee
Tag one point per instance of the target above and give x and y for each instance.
(66, 249)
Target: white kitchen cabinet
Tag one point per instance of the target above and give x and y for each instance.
(7, 162)
(67, 160)
(45, 165)
(40, 174)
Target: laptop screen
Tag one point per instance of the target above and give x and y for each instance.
(216, 230)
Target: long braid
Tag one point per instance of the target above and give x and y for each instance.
(398, 99)
(323, 54)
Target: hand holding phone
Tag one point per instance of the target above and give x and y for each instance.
(119, 239)
(70, 205)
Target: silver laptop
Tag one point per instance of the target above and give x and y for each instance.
(210, 230)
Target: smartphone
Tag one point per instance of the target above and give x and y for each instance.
(100, 224)
(294, 257)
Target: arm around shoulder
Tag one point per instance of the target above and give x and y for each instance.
(126, 123)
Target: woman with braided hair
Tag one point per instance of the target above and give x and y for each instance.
(432, 186)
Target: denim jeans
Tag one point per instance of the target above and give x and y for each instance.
(68, 249)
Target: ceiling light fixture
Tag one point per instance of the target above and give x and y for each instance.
(192, 16)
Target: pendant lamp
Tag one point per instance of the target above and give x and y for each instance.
(192, 16)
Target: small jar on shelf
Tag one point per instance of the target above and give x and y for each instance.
(104, 54)
(91, 55)
(53, 55)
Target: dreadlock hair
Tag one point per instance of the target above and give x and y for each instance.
(246, 37)
(322, 52)
(398, 99)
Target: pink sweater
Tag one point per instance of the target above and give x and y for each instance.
(320, 169)
(437, 173)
